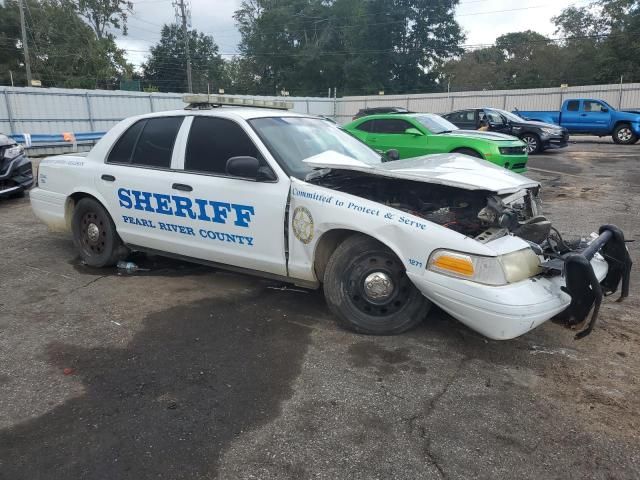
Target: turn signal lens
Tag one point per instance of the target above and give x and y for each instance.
(454, 263)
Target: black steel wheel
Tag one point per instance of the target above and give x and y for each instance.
(94, 234)
(367, 288)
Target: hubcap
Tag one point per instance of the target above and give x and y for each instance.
(93, 232)
(378, 286)
(624, 134)
(531, 142)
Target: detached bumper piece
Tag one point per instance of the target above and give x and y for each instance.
(581, 282)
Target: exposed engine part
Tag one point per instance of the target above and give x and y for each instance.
(480, 214)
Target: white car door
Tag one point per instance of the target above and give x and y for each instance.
(136, 182)
(231, 220)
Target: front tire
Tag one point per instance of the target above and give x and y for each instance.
(533, 143)
(95, 236)
(623, 135)
(367, 288)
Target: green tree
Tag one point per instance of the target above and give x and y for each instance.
(166, 66)
(64, 50)
(307, 46)
(104, 14)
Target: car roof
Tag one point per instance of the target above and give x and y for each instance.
(246, 113)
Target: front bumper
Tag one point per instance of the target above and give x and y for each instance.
(555, 141)
(506, 312)
(16, 175)
(515, 163)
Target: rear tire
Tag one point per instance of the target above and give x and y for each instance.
(469, 152)
(95, 236)
(623, 135)
(367, 288)
(533, 143)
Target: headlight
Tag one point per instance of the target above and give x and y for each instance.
(500, 270)
(13, 152)
(552, 131)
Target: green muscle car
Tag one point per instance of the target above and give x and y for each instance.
(417, 134)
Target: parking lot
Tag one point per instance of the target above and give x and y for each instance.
(184, 371)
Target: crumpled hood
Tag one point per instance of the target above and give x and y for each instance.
(452, 169)
(481, 135)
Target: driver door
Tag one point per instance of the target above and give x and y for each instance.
(389, 133)
(235, 221)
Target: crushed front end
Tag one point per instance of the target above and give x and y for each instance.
(544, 274)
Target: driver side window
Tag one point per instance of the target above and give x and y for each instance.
(213, 141)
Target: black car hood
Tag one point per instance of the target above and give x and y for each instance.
(6, 141)
(532, 123)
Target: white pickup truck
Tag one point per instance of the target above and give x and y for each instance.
(293, 197)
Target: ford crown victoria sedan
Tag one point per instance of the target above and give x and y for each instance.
(293, 197)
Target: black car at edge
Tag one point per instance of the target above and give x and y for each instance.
(538, 136)
(16, 174)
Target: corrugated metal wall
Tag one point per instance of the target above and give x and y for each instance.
(44, 111)
(625, 96)
(56, 110)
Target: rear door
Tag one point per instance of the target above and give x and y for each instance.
(464, 119)
(389, 133)
(570, 116)
(136, 176)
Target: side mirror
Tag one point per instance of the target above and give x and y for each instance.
(248, 167)
(392, 154)
(604, 110)
(414, 131)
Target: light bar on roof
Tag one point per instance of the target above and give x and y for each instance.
(204, 99)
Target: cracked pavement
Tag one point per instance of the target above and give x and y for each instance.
(188, 372)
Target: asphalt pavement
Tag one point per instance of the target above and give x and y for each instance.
(188, 372)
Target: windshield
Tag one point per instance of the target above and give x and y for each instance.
(435, 123)
(509, 116)
(294, 139)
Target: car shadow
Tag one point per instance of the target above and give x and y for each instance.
(173, 399)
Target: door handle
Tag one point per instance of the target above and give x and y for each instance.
(182, 186)
(583, 114)
(108, 178)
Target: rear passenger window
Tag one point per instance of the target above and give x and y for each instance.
(155, 145)
(573, 105)
(147, 143)
(122, 151)
(213, 141)
(366, 126)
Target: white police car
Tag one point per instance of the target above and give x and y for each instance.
(294, 197)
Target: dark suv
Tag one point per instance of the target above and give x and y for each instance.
(16, 175)
(363, 112)
(538, 136)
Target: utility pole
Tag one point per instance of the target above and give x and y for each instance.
(23, 27)
(182, 11)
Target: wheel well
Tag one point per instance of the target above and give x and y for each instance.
(620, 123)
(462, 149)
(70, 205)
(326, 245)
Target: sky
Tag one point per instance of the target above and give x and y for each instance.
(482, 20)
